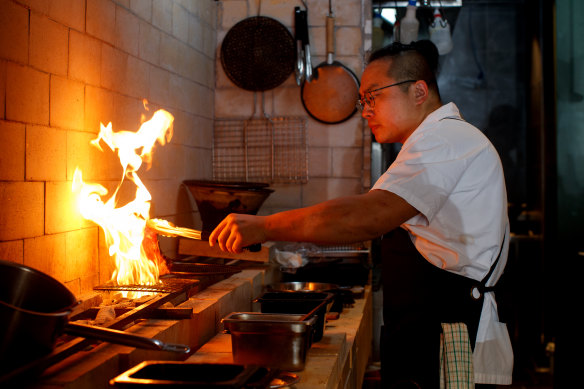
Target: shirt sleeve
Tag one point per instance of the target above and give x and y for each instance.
(424, 174)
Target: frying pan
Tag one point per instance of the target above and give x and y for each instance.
(34, 310)
(258, 53)
(331, 96)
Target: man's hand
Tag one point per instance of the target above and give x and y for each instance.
(237, 231)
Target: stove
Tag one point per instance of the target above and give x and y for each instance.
(172, 291)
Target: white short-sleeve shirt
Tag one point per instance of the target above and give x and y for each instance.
(451, 173)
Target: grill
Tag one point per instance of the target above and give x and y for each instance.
(166, 285)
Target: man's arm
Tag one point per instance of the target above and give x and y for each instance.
(338, 221)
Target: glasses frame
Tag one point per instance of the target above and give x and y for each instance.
(368, 98)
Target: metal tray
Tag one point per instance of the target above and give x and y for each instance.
(273, 340)
(316, 304)
(170, 374)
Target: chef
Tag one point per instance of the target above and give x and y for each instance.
(441, 210)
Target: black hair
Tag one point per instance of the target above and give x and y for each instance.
(417, 60)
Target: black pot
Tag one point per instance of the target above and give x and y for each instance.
(34, 310)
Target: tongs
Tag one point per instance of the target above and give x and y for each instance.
(303, 58)
(166, 228)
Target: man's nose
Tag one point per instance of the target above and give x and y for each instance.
(367, 111)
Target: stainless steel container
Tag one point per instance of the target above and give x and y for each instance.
(304, 303)
(273, 340)
(174, 374)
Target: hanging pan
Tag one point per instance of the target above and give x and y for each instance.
(330, 97)
(258, 53)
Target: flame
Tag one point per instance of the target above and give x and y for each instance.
(137, 261)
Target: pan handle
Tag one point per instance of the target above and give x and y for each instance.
(121, 337)
(330, 39)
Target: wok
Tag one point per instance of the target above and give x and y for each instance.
(34, 310)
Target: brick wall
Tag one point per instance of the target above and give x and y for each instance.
(66, 66)
(339, 154)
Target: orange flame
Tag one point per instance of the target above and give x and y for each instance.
(124, 227)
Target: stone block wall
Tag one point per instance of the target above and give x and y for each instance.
(65, 67)
(68, 65)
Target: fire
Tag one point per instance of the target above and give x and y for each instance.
(137, 262)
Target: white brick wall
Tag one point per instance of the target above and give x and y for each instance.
(66, 66)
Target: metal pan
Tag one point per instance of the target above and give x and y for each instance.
(34, 311)
(258, 53)
(331, 96)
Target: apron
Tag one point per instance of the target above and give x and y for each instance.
(417, 298)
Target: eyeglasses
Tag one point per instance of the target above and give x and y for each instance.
(368, 98)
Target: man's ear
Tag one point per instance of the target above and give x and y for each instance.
(420, 91)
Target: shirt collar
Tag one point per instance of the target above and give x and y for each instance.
(449, 110)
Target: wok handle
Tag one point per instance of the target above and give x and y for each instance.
(124, 338)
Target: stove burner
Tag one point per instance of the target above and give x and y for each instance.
(166, 285)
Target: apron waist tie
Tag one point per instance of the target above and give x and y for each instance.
(479, 290)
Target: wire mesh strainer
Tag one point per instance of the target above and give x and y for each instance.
(267, 149)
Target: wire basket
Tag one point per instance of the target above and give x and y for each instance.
(272, 150)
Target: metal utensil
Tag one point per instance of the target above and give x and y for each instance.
(166, 228)
(121, 337)
(34, 313)
(298, 31)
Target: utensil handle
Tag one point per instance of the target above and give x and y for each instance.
(121, 337)
(330, 37)
(303, 26)
(300, 25)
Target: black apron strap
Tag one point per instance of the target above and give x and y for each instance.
(482, 288)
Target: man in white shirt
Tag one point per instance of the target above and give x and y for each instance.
(441, 208)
